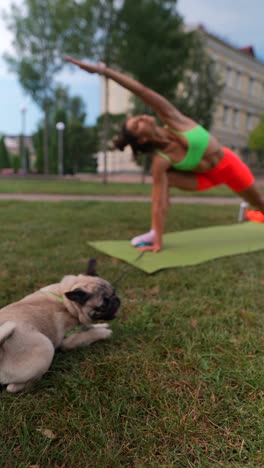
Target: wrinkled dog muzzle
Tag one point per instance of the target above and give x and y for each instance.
(108, 310)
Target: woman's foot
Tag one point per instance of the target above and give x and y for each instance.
(148, 237)
(256, 216)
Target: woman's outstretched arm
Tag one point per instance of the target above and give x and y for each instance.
(157, 102)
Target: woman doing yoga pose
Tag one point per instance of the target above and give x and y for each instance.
(184, 154)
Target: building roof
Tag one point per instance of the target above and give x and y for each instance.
(246, 50)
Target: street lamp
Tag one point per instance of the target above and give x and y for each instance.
(23, 133)
(60, 127)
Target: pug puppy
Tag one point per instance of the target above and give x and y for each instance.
(34, 327)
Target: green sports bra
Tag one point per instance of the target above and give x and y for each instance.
(198, 139)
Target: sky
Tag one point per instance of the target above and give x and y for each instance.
(239, 22)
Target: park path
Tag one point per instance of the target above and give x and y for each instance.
(118, 198)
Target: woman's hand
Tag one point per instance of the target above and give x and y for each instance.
(89, 67)
(150, 248)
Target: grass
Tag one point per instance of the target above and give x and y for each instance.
(80, 187)
(180, 383)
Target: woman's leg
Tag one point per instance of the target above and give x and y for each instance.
(239, 178)
(183, 180)
(253, 196)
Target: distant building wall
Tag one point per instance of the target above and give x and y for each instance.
(241, 103)
(12, 143)
(119, 103)
(119, 98)
(118, 162)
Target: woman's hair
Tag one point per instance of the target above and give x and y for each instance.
(125, 138)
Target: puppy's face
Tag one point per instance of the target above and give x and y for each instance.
(95, 299)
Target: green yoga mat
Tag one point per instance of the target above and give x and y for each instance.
(190, 247)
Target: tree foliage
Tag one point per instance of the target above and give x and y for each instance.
(4, 155)
(256, 140)
(105, 19)
(79, 142)
(150, 41)
(153, 44)
(145, 38)
(115, 122)
(42, 31)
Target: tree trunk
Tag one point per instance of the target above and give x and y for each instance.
(46, 141)
(106, 129)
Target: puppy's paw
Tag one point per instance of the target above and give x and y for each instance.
(102, 333)
(13, 388)
(100, 325)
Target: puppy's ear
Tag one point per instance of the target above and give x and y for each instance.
(78, 295)
(91, 267)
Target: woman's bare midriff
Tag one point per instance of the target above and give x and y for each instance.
(177, 148)
(210, 161)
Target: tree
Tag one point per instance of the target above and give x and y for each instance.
(115, 121)
(146, 39)
(256, 140)
(79, 142)
(105, 13)
(42, 32)
(16, 162)
(4, 155)
(37, 139)
(153, 44)
(157, 49)
(149, 41)
(82, 147)
(24, 154)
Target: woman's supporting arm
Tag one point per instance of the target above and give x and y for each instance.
(159, 202)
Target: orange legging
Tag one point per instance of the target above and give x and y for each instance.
(230, 171)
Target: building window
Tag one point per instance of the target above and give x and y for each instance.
(236, 118)
(226, 116)
(229, 76)
(251, 83)
(250, 121)
(238, 81)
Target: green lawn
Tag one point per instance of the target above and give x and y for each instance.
(79, 187)
(180, 383)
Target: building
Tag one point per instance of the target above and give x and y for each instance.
(13, 146)
(241, 103)
(238, 108)
(118, 103)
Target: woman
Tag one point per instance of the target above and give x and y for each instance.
(184, 154)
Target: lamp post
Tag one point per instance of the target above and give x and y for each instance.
(106, 129)
(23, 132)
(60, 127)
